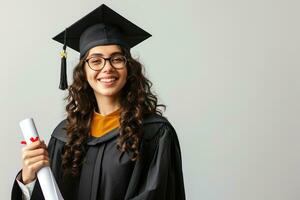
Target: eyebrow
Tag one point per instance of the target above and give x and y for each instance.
(100, 54)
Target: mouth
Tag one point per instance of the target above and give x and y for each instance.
(111, 79)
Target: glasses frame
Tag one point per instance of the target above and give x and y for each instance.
(105, 59)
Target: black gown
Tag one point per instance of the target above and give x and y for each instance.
(107, 174)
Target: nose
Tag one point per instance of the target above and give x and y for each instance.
(107, 67)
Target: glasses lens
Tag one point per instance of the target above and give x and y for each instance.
(96, 63)
(118, 61)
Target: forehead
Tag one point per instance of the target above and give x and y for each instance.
(105, 50)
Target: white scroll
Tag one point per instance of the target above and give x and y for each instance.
(46, 179)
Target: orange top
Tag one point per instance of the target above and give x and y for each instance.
(102, 124)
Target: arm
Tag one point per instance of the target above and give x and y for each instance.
(163, 178)
(31, 189)
(55, 148)
(26, 189)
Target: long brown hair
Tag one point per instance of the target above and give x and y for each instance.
(136, 100)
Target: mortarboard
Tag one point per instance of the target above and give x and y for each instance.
(102, 26)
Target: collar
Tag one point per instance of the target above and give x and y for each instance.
(153, 119)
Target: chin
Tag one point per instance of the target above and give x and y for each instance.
(108, 93)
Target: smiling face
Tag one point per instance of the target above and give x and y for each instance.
(108, 82)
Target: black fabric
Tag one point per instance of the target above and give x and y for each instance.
(108, 174)
(102, 26)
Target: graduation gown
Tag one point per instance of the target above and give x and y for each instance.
(107, 174)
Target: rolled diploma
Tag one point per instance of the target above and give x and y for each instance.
(46, 179)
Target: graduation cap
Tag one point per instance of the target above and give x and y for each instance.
(102, 26)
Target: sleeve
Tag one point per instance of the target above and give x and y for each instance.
(162, 176)
(16, 193)
(26, 189)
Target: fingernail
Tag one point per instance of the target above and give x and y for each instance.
(34, 139)
(23, 142)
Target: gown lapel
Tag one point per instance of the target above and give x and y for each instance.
(92, 165)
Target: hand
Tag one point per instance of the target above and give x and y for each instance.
(34, 157)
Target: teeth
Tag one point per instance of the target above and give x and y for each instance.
(107, 80)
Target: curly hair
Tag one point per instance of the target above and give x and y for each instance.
(136, 100)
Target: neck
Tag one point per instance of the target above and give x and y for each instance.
(107, 105)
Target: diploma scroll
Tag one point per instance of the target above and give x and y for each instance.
(46, 179)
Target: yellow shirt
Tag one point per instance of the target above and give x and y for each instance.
(102, 124)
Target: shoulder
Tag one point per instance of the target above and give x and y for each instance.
(155, 126)
(59, 132)
(159, 136)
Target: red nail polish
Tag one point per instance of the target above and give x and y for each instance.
(34, 139)
(23, 142)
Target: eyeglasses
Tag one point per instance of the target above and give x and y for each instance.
(97, 63)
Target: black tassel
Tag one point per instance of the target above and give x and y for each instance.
(63, 73)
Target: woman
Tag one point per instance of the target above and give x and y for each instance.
(115, 143)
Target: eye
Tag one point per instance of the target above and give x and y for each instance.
(118, 59)
(96, 60)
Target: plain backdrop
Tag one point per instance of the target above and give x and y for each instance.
(227, 71)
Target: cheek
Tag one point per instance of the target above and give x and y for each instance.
(124, 76)
(90, 76)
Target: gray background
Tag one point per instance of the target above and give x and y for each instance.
(227, 70)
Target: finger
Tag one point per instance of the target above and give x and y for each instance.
(33, 145)
(35, 159)
(32, 153)
(44, 145)
(24, 142)
(38, 165)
